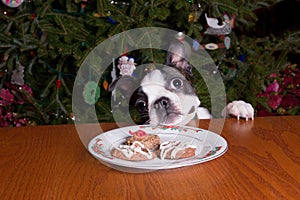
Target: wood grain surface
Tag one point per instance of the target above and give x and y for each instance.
(51, 162)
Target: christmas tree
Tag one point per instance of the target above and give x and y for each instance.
(44, 43)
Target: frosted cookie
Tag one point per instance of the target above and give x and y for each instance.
(150, 141)
(134, 152)
(176, 150)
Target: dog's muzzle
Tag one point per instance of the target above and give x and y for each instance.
(166, 111)
(162, 104)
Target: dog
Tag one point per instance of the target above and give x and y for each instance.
(165, 95)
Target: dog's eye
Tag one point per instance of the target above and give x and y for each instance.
(176, 83)
(141, 105)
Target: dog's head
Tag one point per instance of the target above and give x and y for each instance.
(165, 94)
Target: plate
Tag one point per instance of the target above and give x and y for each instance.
(209, 146)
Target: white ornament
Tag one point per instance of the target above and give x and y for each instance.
(12, 3)
(227, 42)
(221, 31)
(180, 36)
(18, 75)
(126, 66)
(215, 29)
(211, 46)
(213, 22)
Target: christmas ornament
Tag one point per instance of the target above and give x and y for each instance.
(97, 15)
(12, 3)
(108, 15)
(222, 31)
(58, 84)
(230, 21)
(180, 36)
(32, 54)
(33, 15)
(110, 19)
(91, 92)
(126, 65)
(18, 75)
(211, 46)
(242, 58)
(195, 12)
(215, 29)
(82, 6)
(193, 17)
(227, 42)
(214, 23)
(105, 84)
(232, 72)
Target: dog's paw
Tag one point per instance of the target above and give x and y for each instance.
(239, 109)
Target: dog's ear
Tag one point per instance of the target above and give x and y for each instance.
(178, 55)
(125, 84)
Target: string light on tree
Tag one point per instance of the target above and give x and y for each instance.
(119, 3)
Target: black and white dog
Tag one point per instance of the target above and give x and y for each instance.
(165, 95)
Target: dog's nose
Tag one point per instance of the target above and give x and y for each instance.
(162, 103)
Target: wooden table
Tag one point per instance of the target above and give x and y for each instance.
(50, 162)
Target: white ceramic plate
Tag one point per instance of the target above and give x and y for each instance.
(209, 146)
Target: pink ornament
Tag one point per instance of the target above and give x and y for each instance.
(273, 87)
(12, 3)
(6, 97)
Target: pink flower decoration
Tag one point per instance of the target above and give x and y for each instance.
(273, 87)
(283, 94)
(264, 113)
(287, 81)
(274, 101)
(273, 75)
(6, 97)
(296, 92)
(290, 101)
(27, 88)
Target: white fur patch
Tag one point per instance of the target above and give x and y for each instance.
(239, 109)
